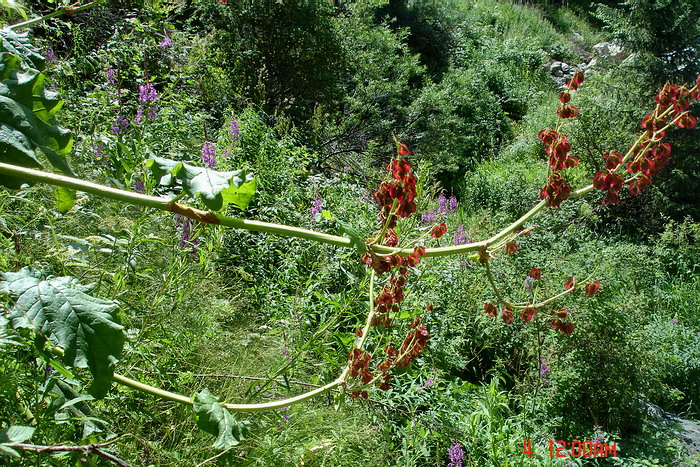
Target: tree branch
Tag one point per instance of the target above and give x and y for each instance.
(86, 450)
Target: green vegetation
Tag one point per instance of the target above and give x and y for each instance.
(205, 259)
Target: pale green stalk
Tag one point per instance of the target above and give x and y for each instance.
(172, 396)
(61, 11)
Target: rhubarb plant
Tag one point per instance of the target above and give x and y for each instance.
(76, 332)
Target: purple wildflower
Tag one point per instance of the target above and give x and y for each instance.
(111, 76)
(456, 455)
(138, 186)
(188, 236)
(346, 169)
(544, 371)
(427, 217)
(153, 112)
(99, 155)
(442, 204)
(234, 129)
(285, 352)
(167, 42)
(50, 55)
(460, 237)
(285, 417)
(452, 203)
(209, 154)
(600, 437)
(429, 383)
(674, 321)
(120, 125)
(147, 93)
(316, 207)
(139, 116)
(226, 154)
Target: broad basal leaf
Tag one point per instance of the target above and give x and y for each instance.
(12, 435)
(85, 327)
(213, 418)
(215, 189)
(28, 110)
(18, 44)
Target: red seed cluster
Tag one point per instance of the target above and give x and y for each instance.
(507, 316)
(359, 367)
(438, 230)
(389, 299)
(535, 273)
(490, 309)
(650, 154)
(558, 149)
(556, 190)
(511, 247)
(413, 344)
(401, 188)
(565, 110)
(396, 197)
(609, 181)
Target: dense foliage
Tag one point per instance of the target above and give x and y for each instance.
(288, 112)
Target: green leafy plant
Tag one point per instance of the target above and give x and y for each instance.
(71, 330)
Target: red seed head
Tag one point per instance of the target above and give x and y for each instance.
(592, 288)
(402, 149)
(438, 230)
(511, 247)
(578, 78)
(567, 328)
(528, 314)
(535, 273)
(490, 309)
(507, 316)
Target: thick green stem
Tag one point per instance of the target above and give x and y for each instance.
(232, 407)
(361, 340)
(167, 205)
(289, 231)
(489, 276)
(61, 11)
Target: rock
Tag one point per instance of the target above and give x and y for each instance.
(556, 69)
(602, 49)
(687, 432)
(610, 52)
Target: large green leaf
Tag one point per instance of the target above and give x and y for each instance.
(12, 435)
(28, 111)
(215, 189)
(213, 418)
(18, 44)
(60, 310)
